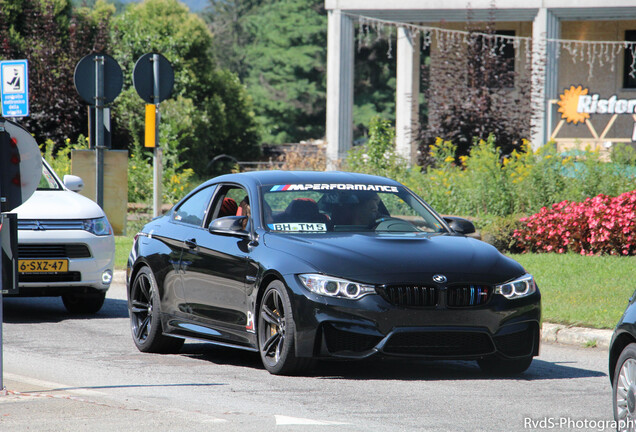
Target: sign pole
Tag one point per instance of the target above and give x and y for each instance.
(3, 133)
(157, 162)
(99, 129)
(2, 389)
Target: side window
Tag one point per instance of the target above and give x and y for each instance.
(193, 210)
(230, 201)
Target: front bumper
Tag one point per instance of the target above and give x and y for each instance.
(341, 328)
(83, 273)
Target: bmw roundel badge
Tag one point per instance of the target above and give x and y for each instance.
(439, 278)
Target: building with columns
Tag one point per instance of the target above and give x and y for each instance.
(584, 93)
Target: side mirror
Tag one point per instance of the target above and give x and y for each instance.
(460, 225)
(229, 226)
(73, 182)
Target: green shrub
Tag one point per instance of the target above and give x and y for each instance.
(59, 156)
(484, 183)
(499, 230)
(139, 174)
(624, 154)
(176, 180)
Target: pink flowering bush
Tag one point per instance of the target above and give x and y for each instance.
(599, 225)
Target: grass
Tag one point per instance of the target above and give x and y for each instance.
(588, 291)
(123, 245)
(576, 290)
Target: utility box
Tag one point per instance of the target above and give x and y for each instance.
(115, 183)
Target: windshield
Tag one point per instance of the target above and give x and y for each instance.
(48, 180)
(345, 208)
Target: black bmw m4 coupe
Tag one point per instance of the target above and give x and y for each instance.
(305, 265)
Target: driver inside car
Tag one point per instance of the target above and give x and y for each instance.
(367, 210)
(361, 208)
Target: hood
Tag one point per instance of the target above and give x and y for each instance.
(59, 204)
(399, 258)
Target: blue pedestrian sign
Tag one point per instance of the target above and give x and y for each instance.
(14, 75)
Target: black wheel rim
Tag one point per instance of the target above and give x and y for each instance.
(141, 308)
(625, 396)
(272, 326)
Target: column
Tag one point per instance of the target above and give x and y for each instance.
(545, 73)
(407, 93)
(340, 57)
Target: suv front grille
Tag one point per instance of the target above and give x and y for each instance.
(409, 295)
(28, 251)
(42, 225)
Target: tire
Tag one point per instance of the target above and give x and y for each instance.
(144, 309)
(503, 367)
(624, 389)
(84, 303)
(277, 332)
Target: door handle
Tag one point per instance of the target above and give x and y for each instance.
(191, 243)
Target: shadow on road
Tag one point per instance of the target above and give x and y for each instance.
(30, 310)
(391, 369)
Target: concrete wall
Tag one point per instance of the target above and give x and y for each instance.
(115, 182)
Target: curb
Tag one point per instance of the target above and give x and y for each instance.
(551, 333)
(580, 336)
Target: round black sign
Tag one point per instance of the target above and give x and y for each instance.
(84, 78)
(144, 77)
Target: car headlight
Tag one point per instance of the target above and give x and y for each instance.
(99, 227)
(335, 287)
(521, 287)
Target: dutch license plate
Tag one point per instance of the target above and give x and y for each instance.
(42, 265)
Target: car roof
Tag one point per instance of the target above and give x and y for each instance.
(258, 178)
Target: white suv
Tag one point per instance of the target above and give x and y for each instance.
(65, 245)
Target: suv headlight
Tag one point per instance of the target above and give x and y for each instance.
(99, 227)
(335, 287)
(521, 287)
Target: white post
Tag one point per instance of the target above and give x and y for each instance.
(407, 93)
(340, 46)
(545, 72)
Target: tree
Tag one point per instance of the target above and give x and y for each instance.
(228, 21)
(374, 85)
(214, 102)
(472, 91)
(53, 38)
(286, 75)
(278, 49)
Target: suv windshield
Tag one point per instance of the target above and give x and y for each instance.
(345, 208)
(48, 180)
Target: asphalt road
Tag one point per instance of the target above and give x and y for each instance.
(70, 373)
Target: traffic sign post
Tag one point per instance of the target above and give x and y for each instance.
(14, 75)
(98, 80)
(153, 78)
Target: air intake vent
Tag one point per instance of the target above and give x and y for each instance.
(30, 251)
(442, 343)
(58, 277)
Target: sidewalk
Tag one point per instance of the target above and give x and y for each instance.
(583, 337)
